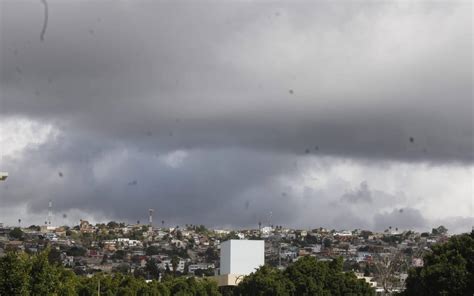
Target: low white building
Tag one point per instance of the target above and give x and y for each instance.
(203, 266)
(167, 262)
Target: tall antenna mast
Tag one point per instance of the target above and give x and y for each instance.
(150, 217)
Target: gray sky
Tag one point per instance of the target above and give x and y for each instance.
(340, 114)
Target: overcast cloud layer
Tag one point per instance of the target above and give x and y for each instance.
(355, 114)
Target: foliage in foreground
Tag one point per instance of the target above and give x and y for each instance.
(447, 270)
(22, 274)
(307, 276)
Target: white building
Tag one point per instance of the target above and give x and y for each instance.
(179, 267)
(267, 230)
(239, 258)
(203, 266)
(344, 233)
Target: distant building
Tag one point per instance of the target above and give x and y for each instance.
(202, 266)
(86, 227)
(238, 259)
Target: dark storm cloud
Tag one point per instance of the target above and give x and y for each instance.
(245, 89)
(363, 194)
(215, 187)
(196, 192)
(224, 70)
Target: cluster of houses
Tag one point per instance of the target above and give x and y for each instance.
(381, 258)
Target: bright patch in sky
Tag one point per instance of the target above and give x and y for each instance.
(18, 134)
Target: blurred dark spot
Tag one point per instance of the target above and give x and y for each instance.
(15, 51)
(18, 70)
(277, 13)
(401, 210)
(99, 19)
(283, 194)
(291, 91)
(149, 133)
(64, 216)
(60, 174)
(316, 148)
(425, 151)
(307, 151)
(170, 134)
(37, 93)
(91, 31)
(132, 183)
(177, 120)
(412, 140)
(247, 204)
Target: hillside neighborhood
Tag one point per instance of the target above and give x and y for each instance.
(382, 259)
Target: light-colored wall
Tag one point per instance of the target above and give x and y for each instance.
(242, 257)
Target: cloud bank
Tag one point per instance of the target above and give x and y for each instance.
(335, 114)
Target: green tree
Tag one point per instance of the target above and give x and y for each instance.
(266, 281)
(190, 286)
(151, 269)
(76, 251)
(118, 255)
(14, 274)
(201, 229)
(327, 242)
(34, 227)
(112, 225)
(44, 279)
(122, 268)
(16, 233)
(441, 230)
(68, 282)
(204, 272)
(179, 235)
(307, 276)
(54, 257)
(447, 270)
(211, 254)
(210, 287)
(152, 250)
(174, 263)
